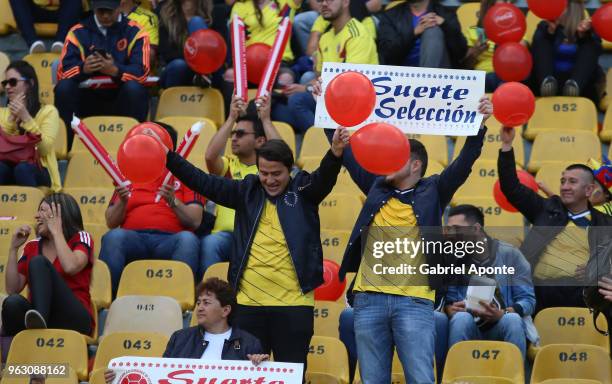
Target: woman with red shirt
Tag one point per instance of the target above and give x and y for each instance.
(56, 266)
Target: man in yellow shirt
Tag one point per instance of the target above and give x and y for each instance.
(347, 41)
(248, 130)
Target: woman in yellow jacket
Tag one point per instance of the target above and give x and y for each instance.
(25, 114)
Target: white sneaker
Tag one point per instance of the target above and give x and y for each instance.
(57, 47)
(38, 47)
(34, 320)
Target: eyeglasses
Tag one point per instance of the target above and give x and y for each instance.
(241, 132)
(12, 81)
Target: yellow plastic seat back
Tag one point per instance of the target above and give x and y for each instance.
(492, 144)
(218, 270)
(480, 182)
(184, 123)
(339, 211)
(334, 243)
(467, 14)
(145, 344)
(326, 317)
(100, 288)
(159, 314)
(569, 325)
(606, 132)
(436, 146)
(562, 114)
(328, 355)
(314, 144)
(93, 203)
(109, 130)
(572, 361)
(192, 101)
(42, 65)
(84, 171)
(20, 202)
(563, 147)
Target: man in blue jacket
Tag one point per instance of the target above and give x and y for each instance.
(104, 44)
(400, 314)
(277, 258)
(502, 319)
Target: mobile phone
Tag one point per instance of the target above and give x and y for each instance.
(99, 51)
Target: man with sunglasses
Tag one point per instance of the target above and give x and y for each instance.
(248, 128)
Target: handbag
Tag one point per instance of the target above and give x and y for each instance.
(19, 148)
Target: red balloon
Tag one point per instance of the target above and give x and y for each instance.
(512, 62)
(602, 21)
(256, 60)
(332, 288)
(525, 178)
(513, 104)
(204, 51)
(504, 23)
(141, 159)
(380, 148)
(159, 130)
(547, 9)
(350, 98)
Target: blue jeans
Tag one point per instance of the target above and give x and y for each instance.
(382, 321)
(302, 106)
(301, 28)
(509, 328)
(23, 174)
(122, 246)
(441, 341)
(27, 13)
(215, 248)
(175, 74)
(346, 329)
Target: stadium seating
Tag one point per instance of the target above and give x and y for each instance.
(61, 141)
(606, 132)
(69, 378)
(96, 231)
(568, 325)
(344, 183)
(550, 175)
(563, 146)
(218, 270)
(328, 355)
(572, 361)
(84, 171)
(100, 287)
(6, 231)
(42, 65)
(45, 93)
(159, 314)
(321, 378)
(50, 346)
(93, 203)
(326, 316)
(480, 182)
(129, 344)
(468, 16)
(492, 144)
(314, 144)
(339, 211)
(334, 243)
(158, 278)
(532, 25)
(562, 113)
(109, 130)
(192, 101)
(4, 61)
(436, 145)
(20, 202)
(483, 358)
(182, 124)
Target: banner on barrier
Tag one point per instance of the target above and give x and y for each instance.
(428, 101)
(154, 370)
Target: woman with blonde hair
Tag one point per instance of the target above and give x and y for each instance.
(565, 54)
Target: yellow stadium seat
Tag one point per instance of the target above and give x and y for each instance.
(182, 124)
(42, 65)
(570, 381)
(158, 278)
(350, 276)
(20, 202)
(326, 316)
(568, 325)
(339, 211)
(96, 231)
(480, 182)
(160, 314)
(218, 270)
(499, 223)
(394, 4)
(606, 132)
(7, 22)
(468, 16)
(93, 338)
(344, 183)
(93, 202)
(436, 146)
(562, 147)
(84, 171)
(328, 355)
(45, 29)
(3, 261)
(145, 344)
(50, 346)
(334, 243)
(314, 144)
(100, 288)
(532, 25)
(109, 130)
(61, 142)
(4, 62)
(562, 113)
(572, 361)
(192, 101)
(69, 378)
(7, 228)
(321, 378)
(484, 358)
(434, 168)
(550, 175)
(492, 144)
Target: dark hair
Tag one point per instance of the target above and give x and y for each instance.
(276, 150)
(582, 167)
(171, 131)
(222, 290)
(72, 221)
(418, 152)
(472, 214)
(252, 116)
(27, 72)
(171, 19)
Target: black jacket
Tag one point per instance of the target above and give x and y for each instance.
(189, 344)
(297, 207)
(396, 34)
(548, 215)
